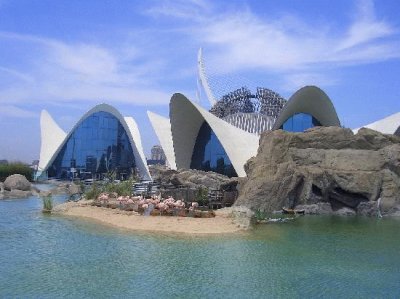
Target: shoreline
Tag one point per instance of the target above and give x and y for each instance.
(222, 223)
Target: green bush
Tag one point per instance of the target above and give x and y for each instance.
(123, 188)
(93, 192)
(202, 196)
(15, 168)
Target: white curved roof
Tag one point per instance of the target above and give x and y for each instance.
(387, 125)
(162, 127)
(51, 138)
(311, 100)
(186, 119)
(50, 148)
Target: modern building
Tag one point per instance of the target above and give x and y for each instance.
(200, 140)
(254, 111)
(102, 141)
(157, 156)
(387, 125)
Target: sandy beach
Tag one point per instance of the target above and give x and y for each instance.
(221, 224)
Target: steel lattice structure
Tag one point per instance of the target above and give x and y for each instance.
(249, 111)
(254, 113)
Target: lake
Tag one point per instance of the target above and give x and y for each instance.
(45, 256)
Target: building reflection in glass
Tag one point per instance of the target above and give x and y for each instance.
(97, 146)
(300, 122)
(209, 154)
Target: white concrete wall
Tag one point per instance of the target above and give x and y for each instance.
(162, 128)
(186, 119)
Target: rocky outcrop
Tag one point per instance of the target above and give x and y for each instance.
(324, 165)
(17, 186)
(193, 178)
(17, 182)
(14, 193)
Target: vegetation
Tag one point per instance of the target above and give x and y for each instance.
(123, 188)
(47, 203)
(93, 192)
(202, 196)
(15, 168)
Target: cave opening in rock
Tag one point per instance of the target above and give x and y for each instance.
(340, 198)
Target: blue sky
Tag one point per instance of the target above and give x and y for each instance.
(67, 56)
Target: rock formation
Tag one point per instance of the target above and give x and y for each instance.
(192, 178)
(18, 182)
(324, 169)
(17, 186)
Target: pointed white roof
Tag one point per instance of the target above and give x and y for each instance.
(387, 125)
(186, 119)
(162, 127)
(51, 138)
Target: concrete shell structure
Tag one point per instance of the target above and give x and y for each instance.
(186, 120)
(53, 138)
(162, 127)
(387, 125)
(310, 100)
(178, 136)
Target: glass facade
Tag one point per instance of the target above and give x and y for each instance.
(209, 154)
(300, 122)
(97, 146)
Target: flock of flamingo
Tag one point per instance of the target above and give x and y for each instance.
(156, 205)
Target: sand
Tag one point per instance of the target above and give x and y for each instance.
(221, 224)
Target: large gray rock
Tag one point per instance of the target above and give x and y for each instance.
(192, 178)
(323, 165)
(14, 193)
(18, 182)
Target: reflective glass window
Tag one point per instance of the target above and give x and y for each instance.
(209, 154)
(397, 133)
(300, 122)
(97, 146)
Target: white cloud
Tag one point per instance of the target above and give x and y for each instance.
(182, 9)
(131, 69)
(243, 41)
(297, 80)
(69, 72)
(237, 41)
(14, 111)
(16, 74)
(365, 28)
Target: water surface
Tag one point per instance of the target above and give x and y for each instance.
(43, 256)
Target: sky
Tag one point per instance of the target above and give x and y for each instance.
(68, 56)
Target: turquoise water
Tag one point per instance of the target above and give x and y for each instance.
(44, 256)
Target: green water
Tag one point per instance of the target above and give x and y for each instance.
(45, 256)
